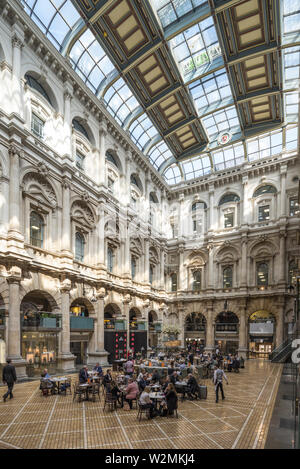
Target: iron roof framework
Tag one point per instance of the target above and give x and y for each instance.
(177, 74)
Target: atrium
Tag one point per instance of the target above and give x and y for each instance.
(149, 204)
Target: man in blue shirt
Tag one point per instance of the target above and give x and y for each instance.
(98, 368)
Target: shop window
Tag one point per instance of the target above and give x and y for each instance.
(79, 247)
(197, 280)
(227, 277)
(264, 213)
(262, 274)
(36, 230)
(37, 126)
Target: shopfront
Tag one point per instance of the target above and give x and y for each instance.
(261, 334)
(194, 331)
(40, 350)
(227, 332)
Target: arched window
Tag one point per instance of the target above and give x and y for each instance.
(197, 280)
(111, 158)
(227, 277)
(262, 274)
(79, 127)
(229, 198)
(34, 84)
(36, 230)
(133, 267)
(266, 189)
(174, 282)
(110, 259)
(79, 247)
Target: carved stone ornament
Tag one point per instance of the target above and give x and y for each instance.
(37, 186)
(42, 169)
(101, 293)
(66, 285)
(127, 299)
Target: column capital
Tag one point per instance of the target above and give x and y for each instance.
(14, 275)
(17, 42)
(68, 95)
(14, 151)
(101, 293)
(66, 183)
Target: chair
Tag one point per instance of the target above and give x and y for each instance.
(142, 410)
(78, 391)
(110, 401)
(94, 390)
(44, 387)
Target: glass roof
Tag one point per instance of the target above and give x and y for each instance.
(90, 61)
(120, 101)
(54, 17)
(211, 91)
(196, 48)
(199, 58)
(196, 167)
(170, 11)
(159, 153)
(142, 130)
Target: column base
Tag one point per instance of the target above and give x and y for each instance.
(98, 357)
(209, 349)
(66, 362)
(20, 364)
(242, 352)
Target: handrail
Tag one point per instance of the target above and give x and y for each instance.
(281, 353)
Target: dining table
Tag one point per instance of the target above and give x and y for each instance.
(58, 381)
(156, 397)
(85, 387)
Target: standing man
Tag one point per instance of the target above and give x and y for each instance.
(218, 382)
(9, 377)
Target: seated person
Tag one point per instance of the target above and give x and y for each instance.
(173, 377)
(155, 377)
(45, 378)
(146, 402)
(193, 388)
(112, 388)
(132, 392)
(107, 378)
(166, 382)
(83, 375)
(98, 369)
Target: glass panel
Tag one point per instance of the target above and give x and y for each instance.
(291, 138)
(221, 121)
(142, 130)
(228, 157)
(174, 282)
(291, 16)
(291, 67)
(196, 48)
(264, 146)
(172, 174)
(173, 10)
(33, 83)
(79, 161)
(110, 264)
(55, 18)
(266, 189)
(196, 167)
(228, 220)
(227, 277)
(159, 154)
(294, 206)
(120, 101)
(228, 198)
(79, 247)
(262, 274)
(264, 213)
(212, 89)
(37, 126)
(197, 280)
(36, 230)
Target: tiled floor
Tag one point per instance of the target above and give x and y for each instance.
(241, 421)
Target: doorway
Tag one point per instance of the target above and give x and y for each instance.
(79, 349)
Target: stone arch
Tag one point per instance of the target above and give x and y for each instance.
(113, 309)
(137, 181)
(116, 160)
(197, 258)
(83, 213)
(42, 80)
(227, 254)
(262, 248)
(227, 317)
(82, 302)
(40, 282)
(88, 134)
(194, 319)
(38, 300)
(153, 315)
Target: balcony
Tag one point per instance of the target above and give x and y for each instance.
(41, 321)
(81, 323)
(227, 328)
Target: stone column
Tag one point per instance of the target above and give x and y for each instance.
(162, 268)
(181, 314)
(243, 336)
(125, 314)
(66, 223)
(181, 216)
(16, 91)
(181, 283)
(210, 266)
(279, 328)
(68, 144)
(245, 201)
(146, 259)
(102, 152)
(211, 206)
(210, 338)
(243, 281)
(101, 238)
(65, 358)
(14, 323)
(15, 238)
(283, 198)
(99, 355)
(127, 188)
(126, 267)
(282, 259)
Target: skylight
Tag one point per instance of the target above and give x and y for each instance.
(196, 167)
(120, 100)
(264, 146)
(170, 11)
(196, 49)
(159, 154)
(172, 174)
(142, 130)
(220, 121)
(227, 157)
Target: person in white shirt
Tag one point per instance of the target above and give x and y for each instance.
(146, 402)
(218, 382)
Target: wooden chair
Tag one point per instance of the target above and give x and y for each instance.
(110, 402)
(94, 390)
(142, 410)
(78, 391)
(44, 387)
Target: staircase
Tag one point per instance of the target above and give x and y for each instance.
(282, 353)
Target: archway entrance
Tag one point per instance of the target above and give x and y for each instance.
(81, 328)
(194, 331)
(154, 329)
(227, 332)
(137, 333)
(115, 333)
(262, 325)
(41, 324)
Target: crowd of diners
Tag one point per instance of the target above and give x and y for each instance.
(155, 382)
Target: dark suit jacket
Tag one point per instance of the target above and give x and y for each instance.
(83, 376)
(9, 374)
